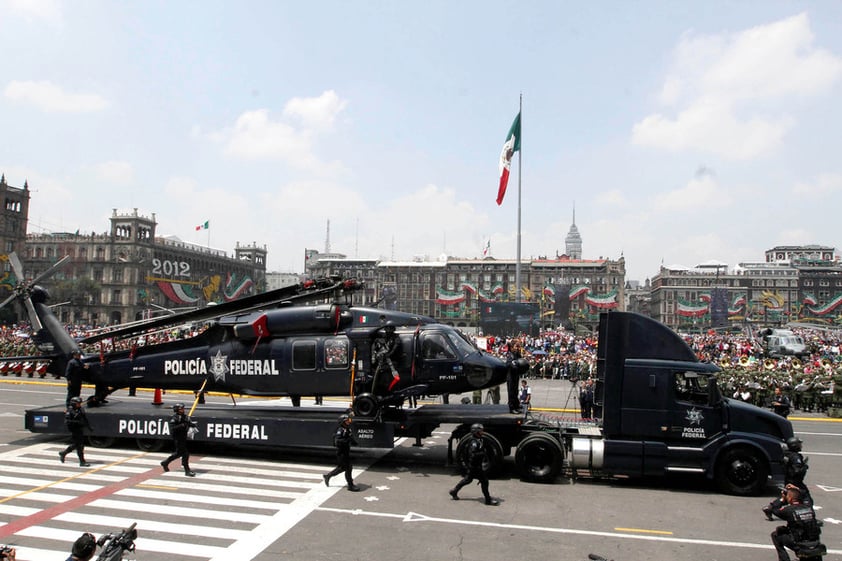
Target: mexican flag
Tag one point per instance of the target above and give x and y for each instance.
(204, 226)
(511, 146)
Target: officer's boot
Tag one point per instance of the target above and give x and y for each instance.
(767, 510)
(189, 472)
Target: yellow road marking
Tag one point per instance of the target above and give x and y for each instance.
(643, 531)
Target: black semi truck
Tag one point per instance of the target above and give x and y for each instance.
(658, 411)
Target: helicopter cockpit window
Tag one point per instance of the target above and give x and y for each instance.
(435, 347)
(304, 355)
(336, 353)
(463, 346)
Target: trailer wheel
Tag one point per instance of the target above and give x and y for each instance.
(742, 471)
(365, 405)
(539, 458)
(101, 441)
(150, 444)
(494, 462)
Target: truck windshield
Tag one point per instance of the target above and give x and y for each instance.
(700, 389)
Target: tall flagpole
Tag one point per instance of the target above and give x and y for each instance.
(519, 169)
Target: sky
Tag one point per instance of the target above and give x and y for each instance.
(681, 132)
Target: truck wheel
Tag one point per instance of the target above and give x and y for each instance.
(150, 444)
(492, 465)
(742, 471)
(539, 458)
(101, 441)
(365, 405)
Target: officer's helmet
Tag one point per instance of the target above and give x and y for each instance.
(177, 406)
(477, 428)
(793, 443)
(390, 326)
(75, 400)
(343, 419)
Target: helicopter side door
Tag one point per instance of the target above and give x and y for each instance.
(319, 365)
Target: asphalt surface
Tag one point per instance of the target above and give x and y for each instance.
(404, 511)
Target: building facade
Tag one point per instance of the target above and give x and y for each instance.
(131, 273)
(13, 220)
(452, 290)
(794, 283)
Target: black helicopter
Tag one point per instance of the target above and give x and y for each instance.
(272, 344)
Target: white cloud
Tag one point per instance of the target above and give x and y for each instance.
(710, 126)
(256, 136)
(42, 10)
(49, 97)
(824, 184)
(719, 83)
(115, 172)
(316, 112)
(699, 192)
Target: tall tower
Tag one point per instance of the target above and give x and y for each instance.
(573, 241)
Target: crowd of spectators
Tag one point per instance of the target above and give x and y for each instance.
(747, 372)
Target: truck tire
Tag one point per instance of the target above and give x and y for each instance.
(101, 441)
(742, 471)
(539, 458)
(150, 444)
(365, 405)
(493, 465)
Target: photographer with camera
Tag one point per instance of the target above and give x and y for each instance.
(802, 532)
(83, 548)
(180, 424)
(795, 468)
(113, 545)
(7, 553)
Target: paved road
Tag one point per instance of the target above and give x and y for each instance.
(268, 505)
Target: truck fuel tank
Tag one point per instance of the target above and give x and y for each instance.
(587, 453)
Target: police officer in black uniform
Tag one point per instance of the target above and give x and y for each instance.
(342, 440)
(477, 454)
(76, 422)
(512, 356)
(74, 372)
(802, 532)
(180, 423)
(384, 348)
(795, 468)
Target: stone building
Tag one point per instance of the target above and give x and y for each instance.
(130, 273)
(794, 283)
(13, 218)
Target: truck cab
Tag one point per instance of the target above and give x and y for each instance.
(661, 412)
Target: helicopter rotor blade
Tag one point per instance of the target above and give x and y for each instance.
(17, 268)
(9, 299)
(34, 320)
(53, 268)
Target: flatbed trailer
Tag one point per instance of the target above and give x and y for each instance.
(540, 446)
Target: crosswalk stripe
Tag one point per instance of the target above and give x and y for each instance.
(157, 526)
(202, 499)
(179, 511)
(235, 509)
